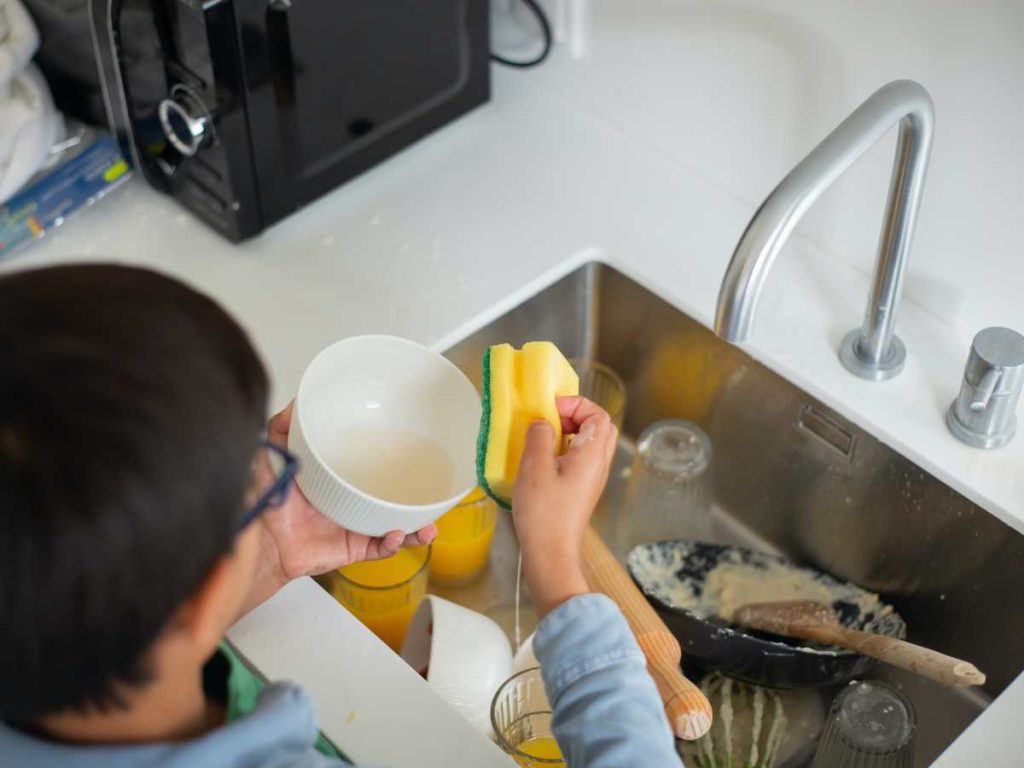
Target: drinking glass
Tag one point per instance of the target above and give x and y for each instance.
(669, 495)
(463, 543)
(384, 594)
(521, 719)
(601, 385)
(870, 725)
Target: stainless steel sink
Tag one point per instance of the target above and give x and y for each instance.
(790, 475)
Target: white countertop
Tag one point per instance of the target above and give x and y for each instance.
(647, 141)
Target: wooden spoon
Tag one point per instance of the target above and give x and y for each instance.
(688, 709)
(809, 620)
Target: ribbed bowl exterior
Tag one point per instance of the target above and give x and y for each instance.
(346, 505)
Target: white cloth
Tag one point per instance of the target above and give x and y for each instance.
(29, 122)
(29, 126)
(18, 39)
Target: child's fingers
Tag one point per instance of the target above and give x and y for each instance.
(279, 424)
(595, 426)
(386, 546)
(424, 535)
(592, 448)
(612, 443)
(574, 411)
(566, 407)
(592, 437)
(539, 449)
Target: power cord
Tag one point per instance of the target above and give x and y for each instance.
(545, 27)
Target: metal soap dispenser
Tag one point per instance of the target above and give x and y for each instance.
(984, 413)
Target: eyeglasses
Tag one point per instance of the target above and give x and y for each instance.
(283, 466)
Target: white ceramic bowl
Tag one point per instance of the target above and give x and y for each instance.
(465, 654)
(385, 431)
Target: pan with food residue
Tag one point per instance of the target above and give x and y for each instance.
(696, 586)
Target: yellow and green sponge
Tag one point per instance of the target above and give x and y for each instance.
(519, 387)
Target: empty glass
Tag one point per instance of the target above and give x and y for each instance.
(521, 719)
(601, 385)
(669, 495)
(870, 725)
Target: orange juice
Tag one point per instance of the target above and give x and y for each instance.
(521, 716)
(544, 747)
(463, 541)
(384, 594)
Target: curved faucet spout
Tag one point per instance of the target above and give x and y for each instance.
(873, 351)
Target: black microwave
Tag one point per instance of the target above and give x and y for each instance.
(246, 110)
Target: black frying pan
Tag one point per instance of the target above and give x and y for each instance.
(659, 568)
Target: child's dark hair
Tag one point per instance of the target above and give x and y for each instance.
(130, 409)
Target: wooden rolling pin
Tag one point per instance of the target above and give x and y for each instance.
(809, 620)
(688, 709)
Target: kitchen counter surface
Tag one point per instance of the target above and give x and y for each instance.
(647, 141)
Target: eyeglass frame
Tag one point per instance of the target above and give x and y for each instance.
(275, 495)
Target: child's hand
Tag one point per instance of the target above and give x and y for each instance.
(554, 497)
(296, 540)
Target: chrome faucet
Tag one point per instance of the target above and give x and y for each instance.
(984, 413)
(872, 351)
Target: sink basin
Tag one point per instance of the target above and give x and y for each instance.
(791, 476)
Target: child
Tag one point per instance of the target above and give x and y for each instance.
(143, 509)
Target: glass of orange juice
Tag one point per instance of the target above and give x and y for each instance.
(521, 719)
(463, 541)
(384, 594)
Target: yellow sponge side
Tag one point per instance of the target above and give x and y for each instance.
(522, 387)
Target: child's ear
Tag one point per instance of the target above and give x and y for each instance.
(207, 613)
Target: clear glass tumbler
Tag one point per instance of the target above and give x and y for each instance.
(601, 385)
(870, 725)
(384, 594)
(521, 719)
(669, 495)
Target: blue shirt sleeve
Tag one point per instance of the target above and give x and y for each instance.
(606, 710)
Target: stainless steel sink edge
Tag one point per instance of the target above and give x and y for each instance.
(584, 256)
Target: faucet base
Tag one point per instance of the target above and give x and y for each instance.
(858, 365)
(974, 439)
